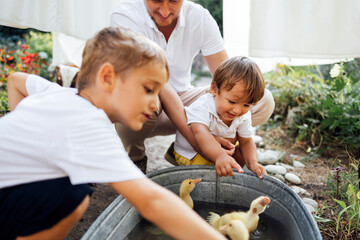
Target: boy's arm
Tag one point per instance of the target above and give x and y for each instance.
(165, 210)
(16, 88)
(249, 154)
(212, 150)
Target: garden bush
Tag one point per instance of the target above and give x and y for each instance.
(31, 53)
(318, 106)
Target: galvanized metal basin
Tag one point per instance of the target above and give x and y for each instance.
(286, 206)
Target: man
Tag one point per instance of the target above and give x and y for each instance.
(183, 29)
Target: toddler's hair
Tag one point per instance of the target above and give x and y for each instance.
(238, 69)
(122, 48)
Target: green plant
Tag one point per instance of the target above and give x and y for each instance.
(32, 57)
(40, 42)
(319, 107)
(338, 181)
(321, 211)
(352, 209)
(4, 105)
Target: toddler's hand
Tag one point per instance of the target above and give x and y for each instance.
(225, 164)
(258, 169)
(226, 145)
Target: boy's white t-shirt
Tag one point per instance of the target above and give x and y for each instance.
(55, 133)
(203, 110)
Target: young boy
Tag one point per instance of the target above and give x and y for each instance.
(237, 84)
(56, 140)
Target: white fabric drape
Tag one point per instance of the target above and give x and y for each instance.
(71, 21)
(76, 18)
(305, 28)
(264, 30)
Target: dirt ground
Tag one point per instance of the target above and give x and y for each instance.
(313, 177)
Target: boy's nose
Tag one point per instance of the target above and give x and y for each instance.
(154, 104)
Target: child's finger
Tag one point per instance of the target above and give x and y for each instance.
(225, 143)
(237, 167)
(263, 170)
(259, 173)
(229, 171)
(218, 171)
(230, 152)
(224, 171)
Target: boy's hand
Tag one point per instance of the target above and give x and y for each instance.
(225, 164)
(258, 169)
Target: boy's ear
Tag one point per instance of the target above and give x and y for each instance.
(213, 88)
(107, 76)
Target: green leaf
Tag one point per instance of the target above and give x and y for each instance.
(323, 220)
(339, 216)
(341, 203)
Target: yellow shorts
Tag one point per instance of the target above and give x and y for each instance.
(197, 160)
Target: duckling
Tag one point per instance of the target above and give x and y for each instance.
(185, 189)
(249, 218)
(236, 230)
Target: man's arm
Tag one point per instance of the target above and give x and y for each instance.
(165, 210)
(174, 108)
(16, 88)
(214, 60)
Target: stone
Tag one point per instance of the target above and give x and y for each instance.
(292, 178)
(266, 158)
(288, 167)
(310, 208)
(299, 190)
(285, 158)
(280, 177)
(298, 164)
(276, 178)
(275, 169)
(310, 202)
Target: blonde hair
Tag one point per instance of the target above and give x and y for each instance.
(122, 48)
(238, 69)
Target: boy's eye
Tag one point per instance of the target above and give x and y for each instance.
(232, 102)
(247, 105)
(148, 90)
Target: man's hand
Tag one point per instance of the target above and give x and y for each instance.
(224, 165)
(226, 145)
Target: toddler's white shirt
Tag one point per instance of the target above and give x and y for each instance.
(203, 110)
(55, 133)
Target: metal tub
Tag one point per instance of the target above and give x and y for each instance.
(119, 218)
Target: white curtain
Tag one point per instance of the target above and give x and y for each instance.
(296, 32)
(77, 18)
(71, 21)
(305, 28)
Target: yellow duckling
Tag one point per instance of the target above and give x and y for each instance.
(236, 230)
(185, 189)
(249, 218)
